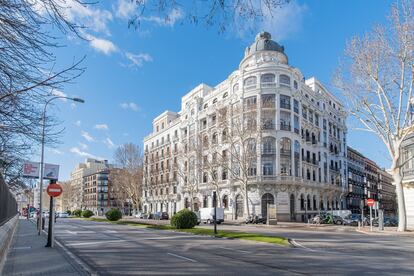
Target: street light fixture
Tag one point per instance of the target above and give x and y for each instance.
(79, 100)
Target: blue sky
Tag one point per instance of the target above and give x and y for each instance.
(133, 75)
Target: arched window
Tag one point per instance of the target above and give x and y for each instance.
(215, 101)
(267, 78)
(314, 203)
(250, 81)
(205, 201)
(205, 177)
(269, 145)
(296, 150)
(308, 202)
(295, 84)
(224, 135)
(205, 141)
(284, 80)
(226, 202)
(285, 156)
(215, 138)
(235, 88)
(302, 202)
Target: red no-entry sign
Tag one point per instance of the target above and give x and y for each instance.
(370, 202)
(54, 190)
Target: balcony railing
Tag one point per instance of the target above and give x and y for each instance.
(285, 127)
(269, 151)
(267, 84)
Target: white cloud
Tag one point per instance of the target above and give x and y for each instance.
(102, 45)
(56, 151)
(170, 19)
(77, 151)
(283, 22)
(78, 123)
(87, 136)
(125, 8)
(108, 142)
(130, 105)
(138, 59)
(101, 126)
(83, 146)
(60, 94)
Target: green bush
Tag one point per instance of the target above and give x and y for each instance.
(184, 219)
(113, 214)
(69, 212)
(87, 213)
(77, 213)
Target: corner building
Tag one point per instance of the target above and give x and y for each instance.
(299, 161)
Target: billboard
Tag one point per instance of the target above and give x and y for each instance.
(51, 171)
(31, 169)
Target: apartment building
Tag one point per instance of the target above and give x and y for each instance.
(408, 179)
(356, 180)
(290, 132)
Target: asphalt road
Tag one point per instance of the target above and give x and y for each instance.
(109, 249)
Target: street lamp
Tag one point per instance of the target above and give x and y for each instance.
(79, 100)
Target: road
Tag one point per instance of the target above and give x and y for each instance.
(109, 249)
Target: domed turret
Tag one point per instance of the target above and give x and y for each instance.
(264, 42)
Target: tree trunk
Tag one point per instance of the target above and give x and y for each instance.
(247, 201)
(402, 218)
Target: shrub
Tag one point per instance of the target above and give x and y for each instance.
(77, 213)
(69, 212)
(113, 214)
(87, 213)
(184, 219)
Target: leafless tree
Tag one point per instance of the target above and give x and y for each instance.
(29, 74)
(128, 174)
(377, 78)
(240, 158)
(230, 14)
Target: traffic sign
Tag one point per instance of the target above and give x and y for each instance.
(54, 190)
(370, 202)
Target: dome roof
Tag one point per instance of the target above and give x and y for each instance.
(264, 42)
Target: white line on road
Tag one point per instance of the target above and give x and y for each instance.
(182, 257)
(237, 250)
(92, 243)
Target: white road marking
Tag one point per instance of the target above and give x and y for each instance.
(22, 247)
(182, 257)
(237, 250)
(92, 243)
(110, 231)
(70, 232)
(295, 243)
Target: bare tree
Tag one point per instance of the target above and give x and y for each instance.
(231, 14)
(127, 176)
(29, 74)
(240, 158)
(377, 78)
(189, 167)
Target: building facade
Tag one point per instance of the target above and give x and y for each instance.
(77, 179)
(408, 179)
(387, 196)
(96, 194)
(356, 181)
(265, 135)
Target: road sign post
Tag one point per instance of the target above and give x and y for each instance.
(53, 190)
(215, 211)
(370, 203)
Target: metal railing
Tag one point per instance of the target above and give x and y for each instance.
(8, 204)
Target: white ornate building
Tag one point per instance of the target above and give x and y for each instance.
(299, 159)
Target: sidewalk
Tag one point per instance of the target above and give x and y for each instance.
(29, 256)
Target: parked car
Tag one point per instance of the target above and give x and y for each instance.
(338, 220)
(142, 215)
(255, 219)
(164, 215)
(63, 215)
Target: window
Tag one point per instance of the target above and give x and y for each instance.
(268, 119)
(250, 102)
(304, 112)
(268, 80)
(250, 82)
(205, 177)
(235, 88)
(284, 102)
(225, 95)
(296, 124)
(205, 106)
(268, 101)
(285, 120)
(215, 101)
(296, 106)
(284, 80)
(224, 135)
(215, 138)
(225, 202)
(285, 156)
(224, 174)
(295, 84)
(297, 157)
(269, 145)
(268, 165)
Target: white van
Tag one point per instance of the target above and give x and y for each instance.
(207, 215)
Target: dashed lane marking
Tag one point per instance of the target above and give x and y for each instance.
(182, 257)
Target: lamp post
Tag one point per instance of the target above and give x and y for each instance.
(40, 224)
